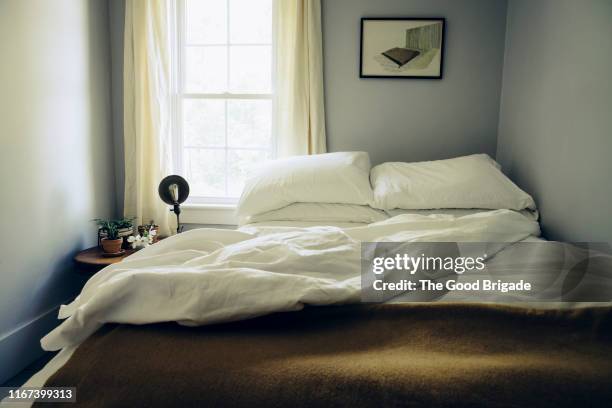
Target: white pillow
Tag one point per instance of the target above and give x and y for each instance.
(474, 181)
(320, 212)
(341, 178)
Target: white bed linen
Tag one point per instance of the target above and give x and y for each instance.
(457, 212)
(340, 177)
(321, 213)
(208, 276)
(278, 226)
(269, 224)
(474, 181)
(254, 271)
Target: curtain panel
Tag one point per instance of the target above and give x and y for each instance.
(147, 109)
(299, 105)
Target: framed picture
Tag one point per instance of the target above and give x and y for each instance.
(401, 47)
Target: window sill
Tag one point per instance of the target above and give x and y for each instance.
(219, 214)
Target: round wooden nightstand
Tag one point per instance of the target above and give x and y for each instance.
(91, 260)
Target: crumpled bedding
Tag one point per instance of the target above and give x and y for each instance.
(209, 276)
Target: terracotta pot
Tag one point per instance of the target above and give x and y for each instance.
(111, 246)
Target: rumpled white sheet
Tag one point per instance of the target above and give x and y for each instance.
(208, 276)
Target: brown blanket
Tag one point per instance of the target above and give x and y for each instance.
(358, 356)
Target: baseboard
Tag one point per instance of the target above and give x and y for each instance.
(21, 346)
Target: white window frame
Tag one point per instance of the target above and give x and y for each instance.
(179, 94)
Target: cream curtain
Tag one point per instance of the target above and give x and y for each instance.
(147, 109)
(299, 106)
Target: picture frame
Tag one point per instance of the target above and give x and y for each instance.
(402, 47)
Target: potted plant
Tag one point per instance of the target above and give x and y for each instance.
(125, 227)
(111, 241)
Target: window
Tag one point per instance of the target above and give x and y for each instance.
(223, 104)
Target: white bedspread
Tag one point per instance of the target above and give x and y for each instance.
(207, 276)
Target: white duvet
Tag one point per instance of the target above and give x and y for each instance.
(207, 276)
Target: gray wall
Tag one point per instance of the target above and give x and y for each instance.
(56, 160)
(555, 130)
(415, 119)
(117, 24)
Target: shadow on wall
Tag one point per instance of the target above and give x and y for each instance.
(60, 156)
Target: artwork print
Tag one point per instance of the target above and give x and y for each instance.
(401, 47)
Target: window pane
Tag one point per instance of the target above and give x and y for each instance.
(240, 164)
(206, 21)
(250, 69)
(205, 171)
(251, 21)
(249, 123)
(203, 122)
(206, 69)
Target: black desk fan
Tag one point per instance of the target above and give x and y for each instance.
(174, 190)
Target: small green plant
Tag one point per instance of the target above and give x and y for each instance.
(109, 227)
(125, 222)
(112, 227)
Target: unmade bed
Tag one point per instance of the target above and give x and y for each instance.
(343, 354)
(271, 314)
